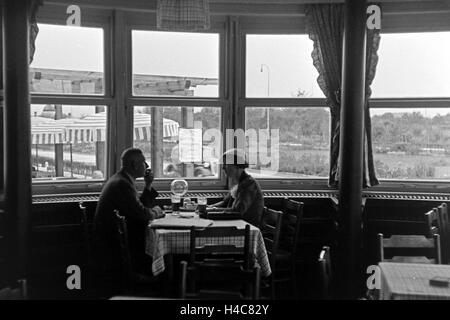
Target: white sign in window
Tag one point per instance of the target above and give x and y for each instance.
(190, 145)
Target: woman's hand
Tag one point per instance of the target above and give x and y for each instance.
(159, 213)
(213, 208)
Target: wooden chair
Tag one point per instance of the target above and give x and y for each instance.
(431, 219)
(133, 283)
(444, 232)
(409, 248)
(89, 279)
(285, 259)
(270, 229)
(221, 245)
(390, 227)
(86, 226)
(122, 234)
(217, 282)
(324, 273)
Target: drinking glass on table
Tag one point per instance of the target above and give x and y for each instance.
(176, 199)
(201, 206)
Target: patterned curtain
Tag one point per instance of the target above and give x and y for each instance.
(183, 15)
(325, 26)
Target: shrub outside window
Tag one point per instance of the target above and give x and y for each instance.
(411, 143)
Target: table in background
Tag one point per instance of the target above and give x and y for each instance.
(410, 281)
(161, 242)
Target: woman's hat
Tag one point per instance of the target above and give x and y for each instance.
(235, 157)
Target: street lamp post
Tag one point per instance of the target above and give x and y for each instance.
(268, 91)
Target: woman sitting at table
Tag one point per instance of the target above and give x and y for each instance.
(245, 194)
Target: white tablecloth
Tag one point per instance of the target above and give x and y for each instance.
(410, 281)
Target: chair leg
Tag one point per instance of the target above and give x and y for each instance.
(272, 287)
(169, 275)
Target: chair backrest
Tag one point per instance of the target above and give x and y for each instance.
(122, 236)
(290, 228)
(444, 218)
(86, 226)
(409, 248)
(324, 273)
(390, 227)
(215, 282)
(444, 232)
(270, 229)
(432, 222)
(221, 244)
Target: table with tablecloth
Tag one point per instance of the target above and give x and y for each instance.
(411, 281)
(162, 241)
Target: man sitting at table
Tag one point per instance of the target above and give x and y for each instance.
(119, 193)
(245, 194)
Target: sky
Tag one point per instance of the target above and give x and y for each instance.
(410, 65)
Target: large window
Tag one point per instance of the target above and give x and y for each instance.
(69, 114)
(411, 142)
(185, 97)
(182, 137)
(297, 146)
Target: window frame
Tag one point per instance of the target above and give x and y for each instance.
(275, 25)
(439, 21)
(147, 22)
(233, 21)
(55, 14)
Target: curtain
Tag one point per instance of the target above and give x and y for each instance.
(34, 29)
(34, 6)
(373, 42)
(183, 15)
(325, 26)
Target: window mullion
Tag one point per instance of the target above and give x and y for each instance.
(118, 120)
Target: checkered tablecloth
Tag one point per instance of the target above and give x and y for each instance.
(165, 241)
(410, 281)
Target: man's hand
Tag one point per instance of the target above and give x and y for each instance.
(148, 178)
(158, 212)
